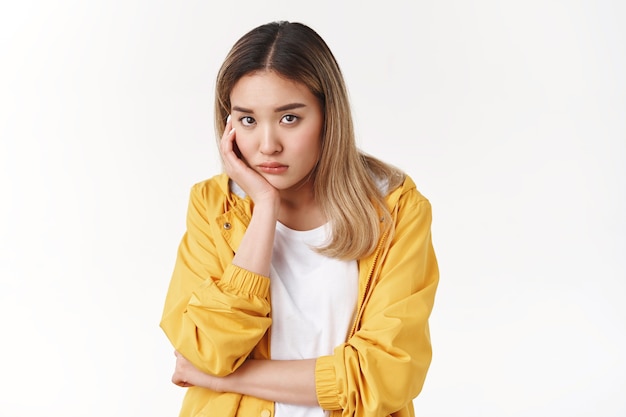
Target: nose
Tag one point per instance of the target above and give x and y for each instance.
(269, 142)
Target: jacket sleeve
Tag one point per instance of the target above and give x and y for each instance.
(382, 367)
(214, 315)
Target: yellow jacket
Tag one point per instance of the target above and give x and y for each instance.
(218, 315)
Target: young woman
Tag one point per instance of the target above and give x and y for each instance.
(305, 279)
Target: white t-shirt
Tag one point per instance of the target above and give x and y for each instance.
(313, 302)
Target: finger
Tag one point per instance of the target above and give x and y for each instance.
(228, 128)
(226, 143)
(180, 382)
(227, 150)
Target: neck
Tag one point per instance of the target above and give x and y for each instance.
(299, 210)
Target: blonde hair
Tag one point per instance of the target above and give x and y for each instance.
(345, 179)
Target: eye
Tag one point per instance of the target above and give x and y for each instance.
(290, 119)
(247, 120)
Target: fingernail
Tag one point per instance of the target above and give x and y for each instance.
(231, 131)
(228, 119)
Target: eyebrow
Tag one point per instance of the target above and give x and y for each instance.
(290, 106)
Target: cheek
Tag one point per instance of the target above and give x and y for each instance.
(243, 145)
(315, 143)
(312, 139)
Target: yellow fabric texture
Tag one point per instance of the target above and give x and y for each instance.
(218, 315)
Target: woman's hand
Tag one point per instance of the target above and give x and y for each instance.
(186, 375)
(290, 382)
(247, 178)
(255, 250)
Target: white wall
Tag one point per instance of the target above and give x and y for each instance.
(510, 116)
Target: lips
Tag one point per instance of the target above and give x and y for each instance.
(272, 167)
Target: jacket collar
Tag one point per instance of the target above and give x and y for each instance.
(236, 213)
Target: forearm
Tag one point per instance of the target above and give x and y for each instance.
(291, 382)
(255, 251)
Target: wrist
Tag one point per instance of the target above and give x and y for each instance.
(227, 383)
(219, 384)
(267, 207)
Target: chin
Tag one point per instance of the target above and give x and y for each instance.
(281, 185)
(301, 185)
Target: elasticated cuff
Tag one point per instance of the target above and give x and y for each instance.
(244, 281)
(326, 383)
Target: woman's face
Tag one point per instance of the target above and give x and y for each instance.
(278, 125)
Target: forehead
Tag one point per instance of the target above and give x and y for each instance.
(267, 88)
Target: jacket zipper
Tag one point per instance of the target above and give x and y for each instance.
(361, 304)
